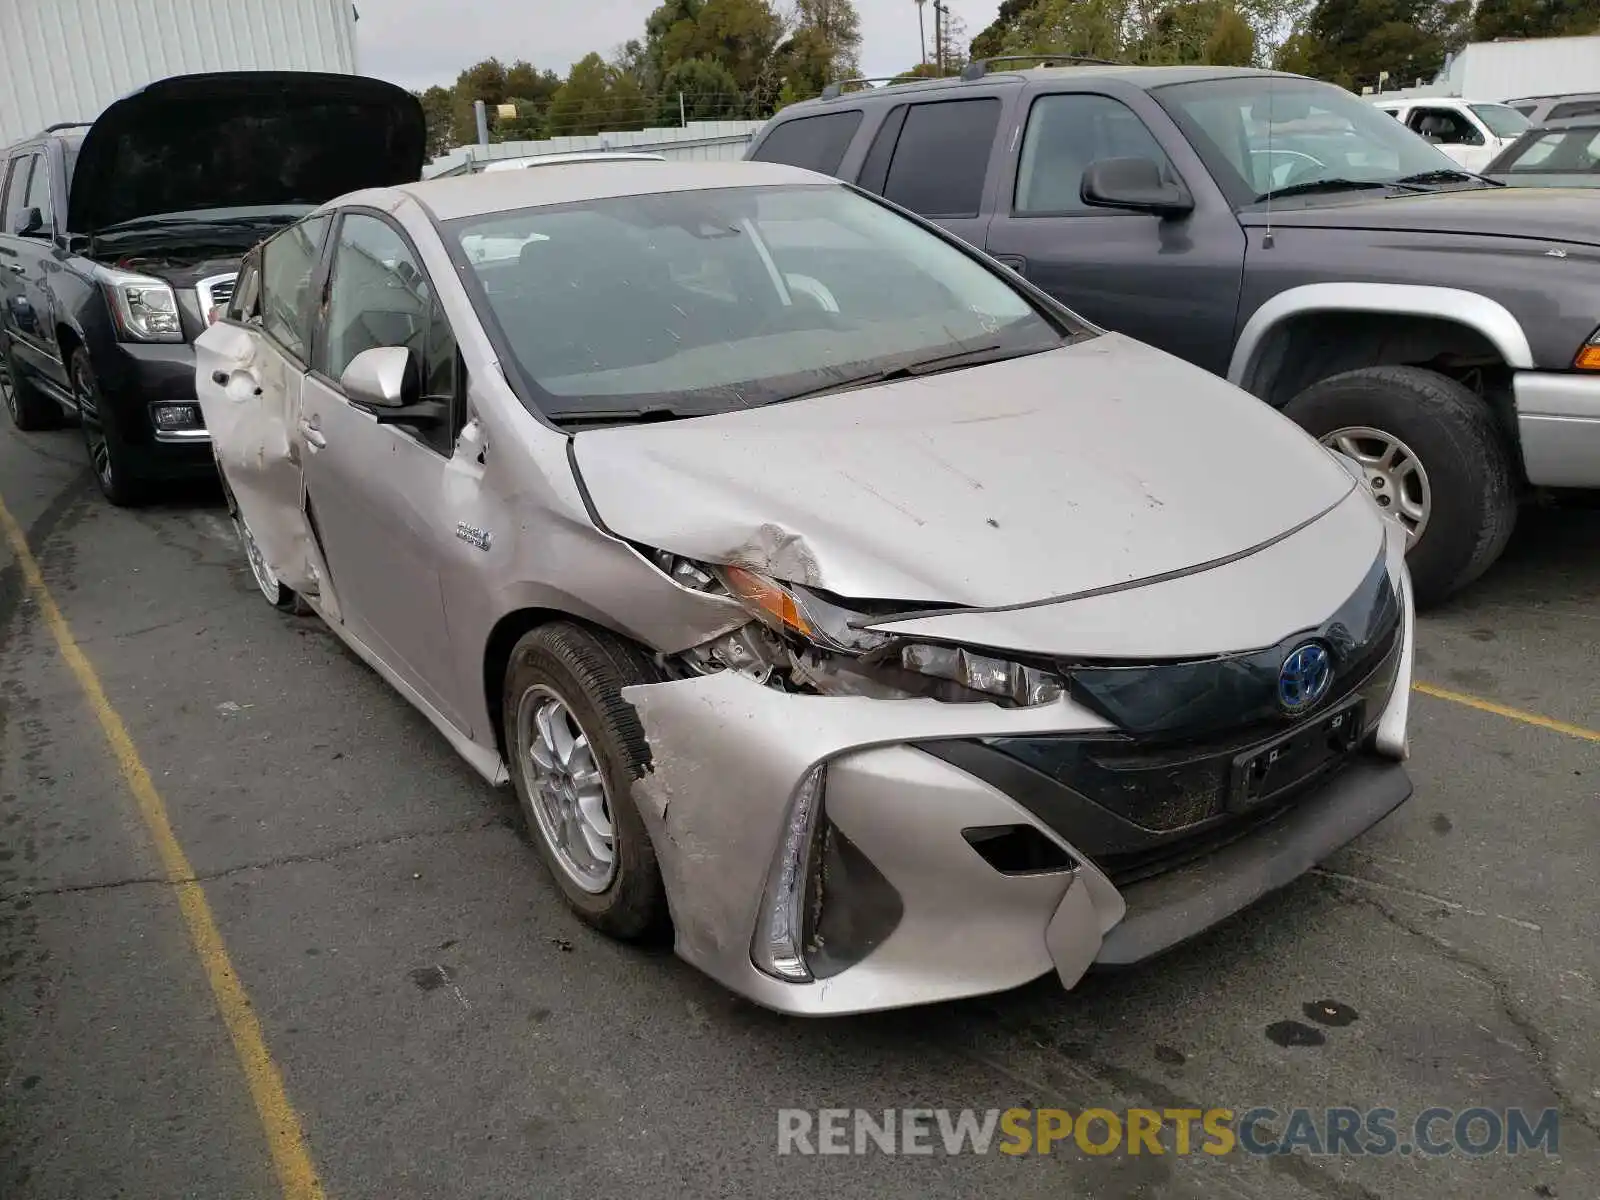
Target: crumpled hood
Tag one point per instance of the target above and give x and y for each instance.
(1087, 467)
(1548, 214)
(235, 139)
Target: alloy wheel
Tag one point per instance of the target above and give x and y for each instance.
(566, 789)
(94, 431)
(1395, 475)
(266, 578)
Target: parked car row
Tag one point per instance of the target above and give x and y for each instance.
(828, 590)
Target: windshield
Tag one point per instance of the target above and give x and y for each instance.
(1503, 120)
(1262, 133)
(695, 302)
(1558, 152)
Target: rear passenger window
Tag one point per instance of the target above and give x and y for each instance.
(14, 181)
(39, 192)
(1574, 108)
(815, 143)
(941, 157)
(1067, 133)
(287, 263)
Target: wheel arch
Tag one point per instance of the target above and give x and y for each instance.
(1465, 323)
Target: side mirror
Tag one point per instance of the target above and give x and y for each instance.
(383, 377)
(1134, 183)
(30, 223)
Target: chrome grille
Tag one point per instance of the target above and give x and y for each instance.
(214, 292)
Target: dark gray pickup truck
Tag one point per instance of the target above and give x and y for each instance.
(1440, 329)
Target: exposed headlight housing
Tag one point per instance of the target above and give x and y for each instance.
(1022, 685)
(1588, 356)
(146, 309)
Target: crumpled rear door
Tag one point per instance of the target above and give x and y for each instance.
(250, 394)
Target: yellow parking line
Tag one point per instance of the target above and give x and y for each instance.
(1501, 710)
(291, 1157)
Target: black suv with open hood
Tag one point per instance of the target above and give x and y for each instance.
(120, 239)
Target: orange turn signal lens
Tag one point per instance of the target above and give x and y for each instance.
(767, 599)
(1588, 359)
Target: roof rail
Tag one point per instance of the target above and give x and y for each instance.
(836, 89)
(979, 67)
(60, 125)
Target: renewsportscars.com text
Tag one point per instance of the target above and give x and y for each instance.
(1256, 1131)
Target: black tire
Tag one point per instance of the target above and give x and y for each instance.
(1454, 436)
(108, 457)
(29, 408)
(587, 671)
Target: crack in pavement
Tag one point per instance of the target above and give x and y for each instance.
(286, 860)
(1541, 1045)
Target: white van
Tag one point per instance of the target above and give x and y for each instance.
(1470, 132)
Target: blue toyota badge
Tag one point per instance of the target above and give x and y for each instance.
(1304, 677)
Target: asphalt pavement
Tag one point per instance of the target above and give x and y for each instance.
(442, 1027)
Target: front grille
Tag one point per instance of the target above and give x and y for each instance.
(1166, 785)
(214, 292)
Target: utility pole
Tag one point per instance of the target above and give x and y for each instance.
(939, 11)
(922, 32)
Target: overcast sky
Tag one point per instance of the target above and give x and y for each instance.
(422, 42)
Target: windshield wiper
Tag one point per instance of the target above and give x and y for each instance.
(1448, 175)
(624, 416)
(912, 370)
(1312, 186)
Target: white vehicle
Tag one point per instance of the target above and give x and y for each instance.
(1468, 131)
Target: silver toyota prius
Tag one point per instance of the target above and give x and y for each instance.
(831, 597)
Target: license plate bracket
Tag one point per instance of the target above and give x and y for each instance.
(1271, 768)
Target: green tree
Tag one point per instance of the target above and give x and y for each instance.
(438, 111)
(992, 40)
(596, 97)
(1533, 19)
(1349, 42)
(525, 81)
(485, 81)
(954, 44)
(823, 47)
(1297, 53)
(709, 92)
(1232, 42)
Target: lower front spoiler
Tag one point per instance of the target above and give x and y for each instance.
(728, 754)
(1174, 907)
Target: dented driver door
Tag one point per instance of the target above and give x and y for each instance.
(250, 369)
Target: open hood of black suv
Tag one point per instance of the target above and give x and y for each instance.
(240, 138)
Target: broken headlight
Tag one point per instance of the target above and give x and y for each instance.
(811, 642)
(1022, 685)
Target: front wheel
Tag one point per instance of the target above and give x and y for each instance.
(1433, 459)
(108, 457)
(576, 747)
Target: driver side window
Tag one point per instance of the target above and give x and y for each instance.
(378, 295)
(1444, 127)
(1068, 132)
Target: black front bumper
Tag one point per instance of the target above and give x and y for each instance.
(1167, 909)
(132, 377)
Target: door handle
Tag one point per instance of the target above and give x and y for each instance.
(313, 436)
(16, 268)
(1015, 261)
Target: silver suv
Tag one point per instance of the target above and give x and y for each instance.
(824, 590)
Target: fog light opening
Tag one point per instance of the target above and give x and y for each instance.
(1017, 849)
(778, 948)
(175, 416)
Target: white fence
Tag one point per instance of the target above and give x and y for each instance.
(699, 140)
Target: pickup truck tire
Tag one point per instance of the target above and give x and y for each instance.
(1453, 435)
(565, 679)
(30, 409)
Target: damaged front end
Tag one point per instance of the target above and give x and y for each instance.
(852, 812)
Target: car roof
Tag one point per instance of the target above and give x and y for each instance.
(574, 182)
(1141, 77)
(1587, 121)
